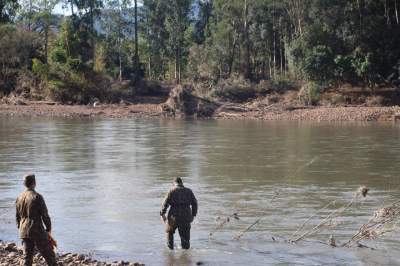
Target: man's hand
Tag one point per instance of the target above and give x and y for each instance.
(163, 218)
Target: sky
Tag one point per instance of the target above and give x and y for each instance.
(67, 11)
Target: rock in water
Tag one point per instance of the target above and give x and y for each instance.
(396, 117)
(332, 241)
(182, 102)
(11, 247)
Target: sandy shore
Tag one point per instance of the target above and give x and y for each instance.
(44, 109)
(11, 254)
(228, 111)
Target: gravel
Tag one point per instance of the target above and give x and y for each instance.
(11, 254)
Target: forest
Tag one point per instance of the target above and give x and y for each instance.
(74, 51)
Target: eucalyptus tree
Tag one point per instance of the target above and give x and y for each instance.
(156, 36)
(44, 20)
(116, 27)
(136, 59)
(84, 23)
(202, 22)
(178, 18)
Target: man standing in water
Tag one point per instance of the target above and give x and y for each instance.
(183, 209)
(34, 223)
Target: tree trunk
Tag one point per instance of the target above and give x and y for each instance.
(136, 45)
(176, 65)
(92, 41)
(46, 32)
(148, 48)
(149, 66)
(270, 67)
(232, 57)
(274, 56)
(281, 57)
(120, 41)
(46, 43)
(247, 42)
(396, 12)
(120, 63)
(30, 16)
(387, 12)
(72, 8)
(360, 15)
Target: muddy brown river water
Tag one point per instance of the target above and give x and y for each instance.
(104, 180)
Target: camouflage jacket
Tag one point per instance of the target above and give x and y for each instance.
(32, 216)
(182, 203)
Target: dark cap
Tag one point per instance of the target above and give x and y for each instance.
(29, 180)
(178, 180)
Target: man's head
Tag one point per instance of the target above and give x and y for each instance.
(178, 181)
(30, 181)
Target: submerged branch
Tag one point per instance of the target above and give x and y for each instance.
(362, 191)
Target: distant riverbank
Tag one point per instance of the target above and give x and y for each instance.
(253, 110)
(11, 254)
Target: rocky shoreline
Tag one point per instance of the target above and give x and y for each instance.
(320, 114)
(11, 254)
(256, 111)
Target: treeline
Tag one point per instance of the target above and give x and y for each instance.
(107, 49)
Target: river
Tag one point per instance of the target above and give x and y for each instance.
(104, 180)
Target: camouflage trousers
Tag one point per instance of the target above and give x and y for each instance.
(184, 233)
(44, 247)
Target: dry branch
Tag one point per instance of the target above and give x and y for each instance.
(225, 221)
(384, 220)
(361, 192)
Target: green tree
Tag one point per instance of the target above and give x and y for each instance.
(17, 49)
(177, 25)
(156, 36)
(43, 21)
(115, 26)
(8, 9)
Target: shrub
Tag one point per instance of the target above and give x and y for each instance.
(39, 69)
(201, 66)
(282, 84)
(29, 86)
(310, 93)
(58, 55)
(336, 99)
(362, 65)
(235, 89)
(17, 48)
(319, 63)
(374, 101)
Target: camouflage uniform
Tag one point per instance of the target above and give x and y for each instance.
(31, 214)
(180, 215)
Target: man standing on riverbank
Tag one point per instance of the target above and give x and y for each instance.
(32, 218)
(183, 209)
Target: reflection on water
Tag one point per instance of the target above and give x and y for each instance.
(104, 181)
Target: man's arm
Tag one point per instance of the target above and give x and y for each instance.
(45, 214)
(194, 205)
(17, 216)
(166, 203)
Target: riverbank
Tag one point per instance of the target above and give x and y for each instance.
(317, 114)
(51, 109)
(11, 254)
(252, 110)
